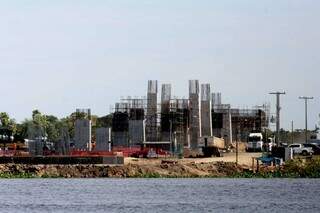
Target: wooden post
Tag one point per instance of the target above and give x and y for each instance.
(258, 165)
(253, 168)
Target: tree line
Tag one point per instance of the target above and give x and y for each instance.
(49, 125)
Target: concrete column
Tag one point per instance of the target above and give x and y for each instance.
(194, 114)
(206, 114)
(165, 112)
(151, 118)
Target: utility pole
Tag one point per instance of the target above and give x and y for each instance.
(278, 115)
(230, 126)
(292, 132)
(305, 98)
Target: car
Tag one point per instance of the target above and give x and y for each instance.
(315, 141)
(300, 149)
(314, 146)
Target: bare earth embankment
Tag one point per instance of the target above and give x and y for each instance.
(169, 168)
(205, 167)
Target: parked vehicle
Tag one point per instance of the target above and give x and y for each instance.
(314, 146)
(255, 142)
(300, 149)
(314, 141)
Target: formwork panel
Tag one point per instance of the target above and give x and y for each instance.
(83, 134)
(102, 139)
(120, 138)
(136, 132)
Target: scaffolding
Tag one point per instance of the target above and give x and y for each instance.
(83, 113)
(179, 120)
(128, 123)
(243, 121)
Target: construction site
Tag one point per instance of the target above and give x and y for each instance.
(156, 125)
(181, 126)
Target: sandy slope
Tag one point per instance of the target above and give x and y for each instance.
(244, 159)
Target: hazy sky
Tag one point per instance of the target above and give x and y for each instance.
(61, 55)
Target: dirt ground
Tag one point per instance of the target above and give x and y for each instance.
(133, 167)
(244, 158)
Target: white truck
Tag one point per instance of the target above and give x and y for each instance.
(299, 149)
(255, 142)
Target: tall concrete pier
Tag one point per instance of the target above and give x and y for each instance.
(194, 113)
(206, 115)
(151, 118)
(166, 121)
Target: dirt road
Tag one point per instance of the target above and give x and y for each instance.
(244, 159)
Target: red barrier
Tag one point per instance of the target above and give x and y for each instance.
(81, 153)
(126, 151)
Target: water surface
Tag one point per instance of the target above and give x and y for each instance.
(160, 195)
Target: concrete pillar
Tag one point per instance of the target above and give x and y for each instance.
(206, 114)
(151, 118)
(165, 112)
(194, 114)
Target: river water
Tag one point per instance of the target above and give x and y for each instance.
(160, 195)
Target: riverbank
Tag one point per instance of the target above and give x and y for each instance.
(162, 169)
(169, 169)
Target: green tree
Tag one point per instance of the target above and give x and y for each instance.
(7, 123)
(105, 121)
(49, 126)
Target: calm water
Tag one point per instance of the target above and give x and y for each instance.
(160, 195)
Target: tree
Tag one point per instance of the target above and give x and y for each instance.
(42, 125)
(105, 121)
(7, 123)
(4, 119)
(52, 127)
(35, 112)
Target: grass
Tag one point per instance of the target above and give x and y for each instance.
(6, 175)
(293, 169)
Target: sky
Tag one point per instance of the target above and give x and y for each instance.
(60, 55)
